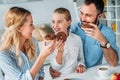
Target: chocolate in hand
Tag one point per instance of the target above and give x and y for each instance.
(61, 35)
(50, 37)
(58, 36)
(86, 26)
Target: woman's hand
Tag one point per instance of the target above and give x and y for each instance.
(47, 49)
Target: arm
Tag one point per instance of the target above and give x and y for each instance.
(55, 67)
(59, 57)
(57, 61)
(60, 47)
(80, 53)
(81, 66)
(41, 73)
(45, 51)
(110, 54)
(9, 64)
(11, 69)
(112, 57)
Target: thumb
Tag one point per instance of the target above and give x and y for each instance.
(93, 25)
(44, 43)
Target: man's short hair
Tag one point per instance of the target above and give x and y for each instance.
(99, 4)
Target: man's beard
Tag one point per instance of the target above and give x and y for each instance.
(86, 24)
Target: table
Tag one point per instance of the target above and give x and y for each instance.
(89, 74)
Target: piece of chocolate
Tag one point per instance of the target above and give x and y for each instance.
(50, 37)
(86, 25)
(58, 36)
(61, 35)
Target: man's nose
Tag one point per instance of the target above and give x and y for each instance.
(83, 18)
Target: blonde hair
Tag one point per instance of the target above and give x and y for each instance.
(45, 29)
(41, 31)
(64, 11)
(14, 18)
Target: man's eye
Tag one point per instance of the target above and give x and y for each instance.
(80, 13)
(88, 15)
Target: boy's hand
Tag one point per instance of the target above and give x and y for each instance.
(80, 69)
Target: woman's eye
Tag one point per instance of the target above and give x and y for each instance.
(31, 24)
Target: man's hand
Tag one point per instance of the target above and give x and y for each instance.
(54, 73)
(112, 57)
(95, 33)
(80, 69)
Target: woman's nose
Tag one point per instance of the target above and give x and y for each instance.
(33, 27)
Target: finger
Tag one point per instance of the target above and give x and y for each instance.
(61, 46)
(44, 43)
(88, 29)
(53, 41)
(78, 70)
(83, 69)
(89, 32)
(60, 42)
(93, 25)
(55, 74)
(51, 72)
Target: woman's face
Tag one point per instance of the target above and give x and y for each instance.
(27, 28)
(59, 23)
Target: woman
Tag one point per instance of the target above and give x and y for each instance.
(68, 57)
(19, 52)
